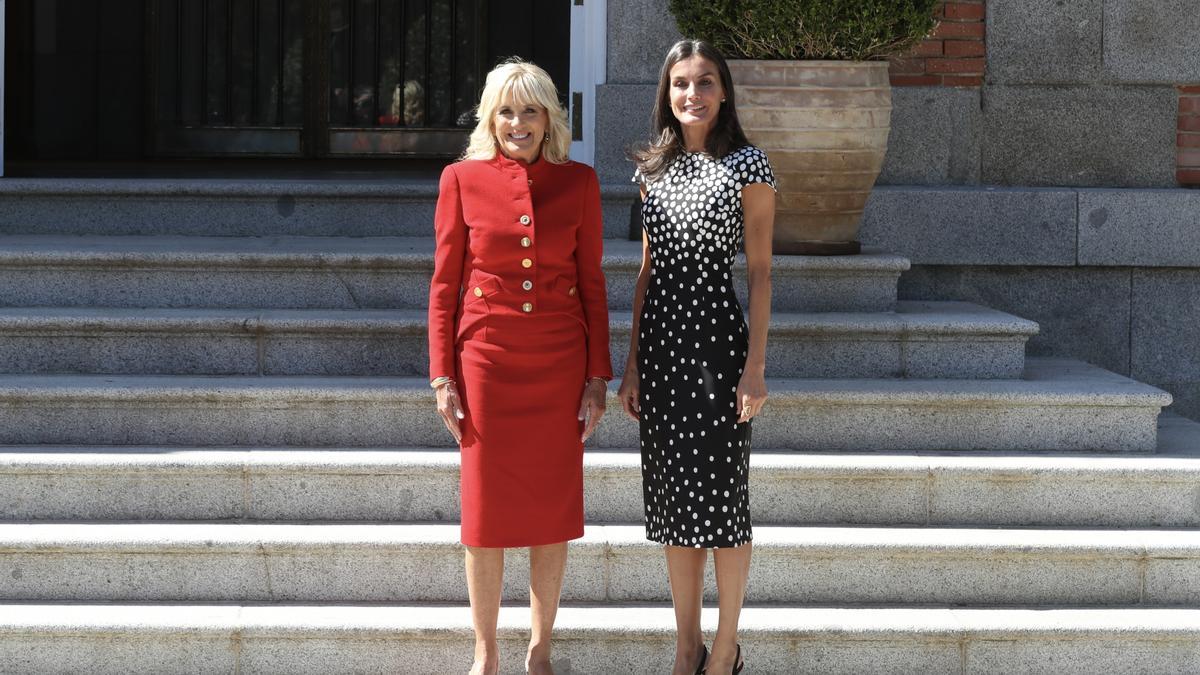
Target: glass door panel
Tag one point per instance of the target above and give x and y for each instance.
(228, 77)
(404, 75)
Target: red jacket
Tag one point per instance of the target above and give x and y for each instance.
(528, 238)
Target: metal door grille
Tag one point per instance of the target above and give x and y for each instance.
(246, 77)
(409, 71)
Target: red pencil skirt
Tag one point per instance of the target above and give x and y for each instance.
(521, 380)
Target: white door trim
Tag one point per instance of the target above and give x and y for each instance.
(589, 66)
(1, 87)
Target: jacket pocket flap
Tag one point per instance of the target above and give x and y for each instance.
(565, 286)
(483, 285)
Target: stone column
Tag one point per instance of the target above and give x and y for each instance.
(639, 34)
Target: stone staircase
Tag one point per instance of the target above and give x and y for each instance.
(220, 456)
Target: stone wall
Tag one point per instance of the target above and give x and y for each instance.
(1050, 190)
(1091, 101)
(1111, 275)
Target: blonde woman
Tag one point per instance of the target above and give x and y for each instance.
(518, 343)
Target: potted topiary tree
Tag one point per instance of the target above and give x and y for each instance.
(812, 90)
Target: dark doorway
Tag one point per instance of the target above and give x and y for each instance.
(73, 79)
(315, 79)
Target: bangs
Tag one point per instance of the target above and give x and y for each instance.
(523, 89)
(519, 84)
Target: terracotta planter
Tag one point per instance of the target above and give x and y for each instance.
(824, 125)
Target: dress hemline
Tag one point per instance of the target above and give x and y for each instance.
(735, 544)
(526, 543)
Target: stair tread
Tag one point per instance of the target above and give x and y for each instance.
(175, 249)
(264, 537)
(628, 620)
(32, 248)
(911, 317)
(1178, 452)
(1047, 381)
(182, 188)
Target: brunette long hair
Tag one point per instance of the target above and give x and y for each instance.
(653, 158)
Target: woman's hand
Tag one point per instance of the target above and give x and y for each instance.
(630, 392)
(450, 409)
(751, 395)
(592, 405)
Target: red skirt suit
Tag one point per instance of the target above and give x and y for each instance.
(518, 316)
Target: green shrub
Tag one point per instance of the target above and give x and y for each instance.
(844, 30)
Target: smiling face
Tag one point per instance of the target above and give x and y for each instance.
(520, 129)
(695, 93)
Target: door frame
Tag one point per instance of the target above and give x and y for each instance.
(588, 69)
(2, 32)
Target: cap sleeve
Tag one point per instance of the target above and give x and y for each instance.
(754, 167)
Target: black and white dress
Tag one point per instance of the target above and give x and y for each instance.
(692, 346)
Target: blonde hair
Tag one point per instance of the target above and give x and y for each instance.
(526, 84)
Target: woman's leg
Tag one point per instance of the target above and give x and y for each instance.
(546, 567)
(733, 569)
(685, 569)
(485, 575)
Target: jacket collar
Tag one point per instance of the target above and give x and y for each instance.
(535, 168)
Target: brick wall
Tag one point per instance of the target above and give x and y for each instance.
(953, 56)
(1187, 139)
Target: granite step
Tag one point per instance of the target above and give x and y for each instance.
(202, 639)
(355, 207)
(350, 273)
(1060, 404)
(933, 340)
(921, 339)
(270, 562)
(1137, 490)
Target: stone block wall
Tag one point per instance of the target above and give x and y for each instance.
(1088, 93)
(1038, 162)
(1111, 275)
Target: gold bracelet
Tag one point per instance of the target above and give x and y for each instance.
(439, 381)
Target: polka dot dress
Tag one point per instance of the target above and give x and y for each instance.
(692, 346)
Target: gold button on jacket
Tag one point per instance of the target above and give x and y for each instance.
(524, 249)
(478, 292)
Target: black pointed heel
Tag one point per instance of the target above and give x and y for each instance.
(703, 660)
(738, 663)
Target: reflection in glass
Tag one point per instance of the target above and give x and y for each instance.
(230, 63)
(398, 63)
(231, 78)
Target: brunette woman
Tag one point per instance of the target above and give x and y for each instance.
(695, 374)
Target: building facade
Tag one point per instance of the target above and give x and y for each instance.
(1041, 161)
(1041, 157)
